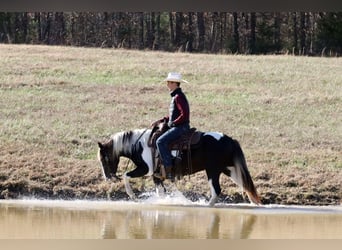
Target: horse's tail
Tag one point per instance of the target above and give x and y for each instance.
(242, 176)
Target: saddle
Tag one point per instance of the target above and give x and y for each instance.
(185, 142)
(191, 139)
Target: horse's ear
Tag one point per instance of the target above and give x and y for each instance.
(100, 145)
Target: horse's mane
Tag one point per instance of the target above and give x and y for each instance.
(123, 141)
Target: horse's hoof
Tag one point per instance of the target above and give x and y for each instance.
(212, 202)
(133, 198)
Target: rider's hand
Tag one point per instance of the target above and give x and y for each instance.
(153, 124)
(170, 124)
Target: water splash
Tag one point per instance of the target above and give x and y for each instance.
(173, 198)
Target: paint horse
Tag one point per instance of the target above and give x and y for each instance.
(216, 153)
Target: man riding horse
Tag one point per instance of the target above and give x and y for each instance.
(214, 152)
(178, 122)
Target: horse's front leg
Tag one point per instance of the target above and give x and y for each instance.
(128, 188)
(137, 172)
(159, 185)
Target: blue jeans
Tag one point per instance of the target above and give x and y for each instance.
(165, 139)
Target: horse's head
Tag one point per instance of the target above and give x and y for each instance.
(109, 161)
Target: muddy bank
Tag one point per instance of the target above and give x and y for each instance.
(22, 189)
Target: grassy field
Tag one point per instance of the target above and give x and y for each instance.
(57, 102)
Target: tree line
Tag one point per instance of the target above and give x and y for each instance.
(299, 33)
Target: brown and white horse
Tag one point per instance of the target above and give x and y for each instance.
(217, 153)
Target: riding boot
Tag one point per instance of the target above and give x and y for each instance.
(169, 173)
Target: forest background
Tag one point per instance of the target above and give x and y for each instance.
(297, 33)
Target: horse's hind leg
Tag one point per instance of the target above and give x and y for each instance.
(215, 188)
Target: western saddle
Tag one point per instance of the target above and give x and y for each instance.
(187, 141)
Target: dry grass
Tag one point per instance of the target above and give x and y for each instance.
(57, 102)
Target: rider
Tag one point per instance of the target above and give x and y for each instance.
(178, 121)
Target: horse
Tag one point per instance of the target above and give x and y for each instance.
(216, 153)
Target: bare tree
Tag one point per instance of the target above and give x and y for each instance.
(295, 34)
(190, 39)
(201, 31)
(277, 40)
(252, 42)
(236, 37)
(179, 29)
(172, 32)
(302, 30)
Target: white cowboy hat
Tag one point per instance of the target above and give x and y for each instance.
(174, 77)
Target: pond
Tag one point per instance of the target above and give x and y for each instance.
(164, 218)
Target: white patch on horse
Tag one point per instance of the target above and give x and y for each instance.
(146, 153)
(147, 157)
(216, 135)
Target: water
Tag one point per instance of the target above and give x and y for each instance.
(164, 218)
